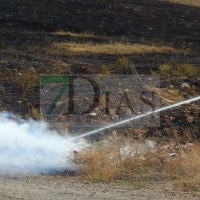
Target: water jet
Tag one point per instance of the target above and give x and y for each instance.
(137, 117)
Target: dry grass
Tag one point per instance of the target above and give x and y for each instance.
(186, 2)
(34, 113)
(27, 79)
(188, 70)
(68, 33)
(61, 48)
(169, 95)
(127, 159)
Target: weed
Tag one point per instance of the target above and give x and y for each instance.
(122, 64)
(184, 69)
(187, 70)
(165, 69)
(34, 113)
(28, 80)
(174, 74)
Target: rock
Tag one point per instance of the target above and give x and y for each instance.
(185, 85)
(93, 114)
(150, 144)
(172, 154)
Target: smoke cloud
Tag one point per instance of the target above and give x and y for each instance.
(29, 146)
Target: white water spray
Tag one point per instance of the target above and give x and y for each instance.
(28, 146)
(138, 116)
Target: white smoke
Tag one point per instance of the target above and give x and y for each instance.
(29, 146)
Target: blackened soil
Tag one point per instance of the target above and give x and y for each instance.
(27, 26)
(150, 19)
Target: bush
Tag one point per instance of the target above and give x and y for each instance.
(122, 63)
(165, 69)
(28, 80)
(187, 70)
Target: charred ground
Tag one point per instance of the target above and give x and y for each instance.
(29, 28)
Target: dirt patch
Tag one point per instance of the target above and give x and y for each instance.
(56, 187)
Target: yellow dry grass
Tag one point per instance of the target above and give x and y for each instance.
(61, 48)
(186, 2)
(127, 159)
(68, 33)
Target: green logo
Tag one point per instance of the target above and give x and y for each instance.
(55, 79)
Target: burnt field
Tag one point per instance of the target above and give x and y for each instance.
(105, 37)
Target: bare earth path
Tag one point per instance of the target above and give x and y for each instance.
(56, 187)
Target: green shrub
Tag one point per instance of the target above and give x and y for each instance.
(187, 70)
(165, 69)
(122, 65)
